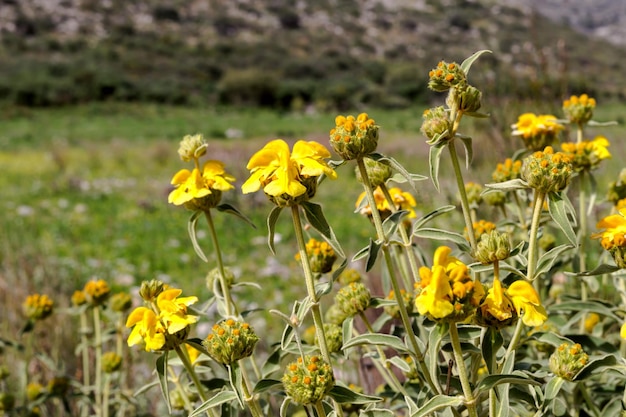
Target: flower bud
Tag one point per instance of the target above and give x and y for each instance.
(321, 256)
(436, 125)
(192, 147)
(492, 247)
(567, 360)
(78, 298)
(507, 170)
(335, 315)
(474, 193)
(97, 292)
(38, 307)
(213, 277)
(546, 171)
(394, 310)
(378, 172)
(230, 341)
(495, 198)
(445, 76)
(111, 362)
(353, 299)
(469, 99)
(204, 203)
(172, 341)
(121, 302)
(349, 275)
(579, 110)
(308, 380)
(150, 290)
(354, 138)
(617, 189)
(334, 337)
(619, 256)
(34, 390)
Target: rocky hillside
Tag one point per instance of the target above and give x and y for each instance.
(335, 53)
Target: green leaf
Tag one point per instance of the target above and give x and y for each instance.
(599, 270)
(558, 212)
(399, 168)
(191, 229)
(377, 412)
(347, 332)
(284, 407)
(440, 234)
(437, 403)
(315, 216)
(607, 361)
(400, 363)
(476, 114)
(235, 378)
(469, 153)
(553, 387)
(271, 227)
(230, 209)
(601, 124)
(400, 179)
(551, 338)
(346, 395)
(196, 343)
(433, 214)
(161, 368)
(388, 340)
(467, 64)
(434, 158)
(266, 385)
(546, 260)
(592, 306)
(372, 254)
(362, 253)
(218, 399)
(491, 342)
(511, 185)
(491, 381)
(435, 337)
(391, 223)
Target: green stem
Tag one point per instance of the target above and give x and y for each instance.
(517, 334)
(105, 395)
(470, 401)
(582, 239)
(228, 301)
(520, 210)
(98, 349)
(404, 315)
(182, 354)
(84, 341)
(532, 238)
(183, 393)
(588, 400)
(253, 404)
(319, 409)
(464, 202)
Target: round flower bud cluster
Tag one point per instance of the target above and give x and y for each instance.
(353, 299)
(378, 172)
(468, 98)
(230, 341)
(480, 228)
(354, 138)
(507, 170)
(308, 380)
(349, 275)
(192, 147)
(121, 302)
(492, 247)
(34, 390)
(617, 189)
(334, 337)
(394, 310)
(579, 109)
(321, 256)
(335, 315)
(97, 292)
(495, 198)
(567, 360)
(213, 277)
(586, 155)
(111, 362)
(436, 125)
(547, 171)
(445, 76)
(537, 131)
(78, 298)
(38, 307)
(150, 290)
(474, 191)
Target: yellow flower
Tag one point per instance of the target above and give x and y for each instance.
(579, 109)
(401, 199)
(193, 184)
(173, 310)
(587, 155)
(436, 298)
(497, 303)
(537, 131)
(507, 170)
(38, 306)
(97, 291)
(622, 331)
(279, 171)
(614, 235)
(527, 303)
(147, 329)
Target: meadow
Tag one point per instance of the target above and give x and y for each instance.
(84, 196)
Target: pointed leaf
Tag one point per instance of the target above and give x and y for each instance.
(469, 153)
(271, 227)
(378, 339)
(235, 378)
(599, 270)
(391, 223)
(476, 114)
(591, 306)
(435, 337)
(400, 363)
(428, 217)
(607, 361)
(218, 399)
(266, 385)
(558, 212)
(467, 64)
(437, 403)
(346, 395)
(511, 185)
(230, 209)
(491, 342)
(376, 412)
(491, 381)
(553, 387)
(191, 229)
(284, 407)
(440, 234)
(546, 261)
(434, 157)
(362, 253)
(315, 216)
(601, 124)
(372, 253)
(161, 368)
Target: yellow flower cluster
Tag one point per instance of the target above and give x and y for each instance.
(163, 326)
(613, 238)
(547, 171)
(354, 138)
(321, 256)
(230, 341)
(586, 155)
(480, 228)
(38, 306)
(445, 76)
(288, 175)
(507, 170)
(579, 109)
(401, 199)
(96, 291)
(537, 131)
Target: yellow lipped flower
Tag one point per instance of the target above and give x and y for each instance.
(147, 329)
(537, 131)
(587, 154)
(280, 172)
(173, 310)
(401, 199)
(622, 331)
(613, 238)
(497, 304)
(195, 184)
(435, 299)
(527, 303)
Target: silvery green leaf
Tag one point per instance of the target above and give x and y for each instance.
(467, 64)
(434, 157)
(558, 209)
(191, 229)
(511, 185)
(271, 227)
